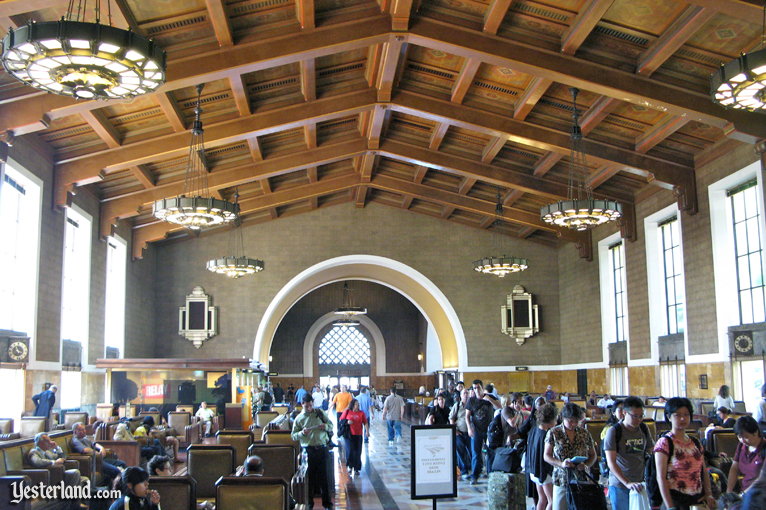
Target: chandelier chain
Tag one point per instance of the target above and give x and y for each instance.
(195, 181)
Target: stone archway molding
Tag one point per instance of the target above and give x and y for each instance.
(312, 337)
(412, 284)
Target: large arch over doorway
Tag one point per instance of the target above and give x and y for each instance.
(412, 284)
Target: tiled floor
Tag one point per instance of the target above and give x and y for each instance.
(385, 480)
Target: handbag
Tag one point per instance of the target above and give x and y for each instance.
(344, 430)
(584, 495)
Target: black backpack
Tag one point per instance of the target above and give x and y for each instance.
(603, 465)
(495, 434)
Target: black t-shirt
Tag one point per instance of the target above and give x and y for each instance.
(440, 414)
(482, 413)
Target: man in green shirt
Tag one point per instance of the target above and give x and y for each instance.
(312, 430)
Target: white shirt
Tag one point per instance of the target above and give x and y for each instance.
(605, 402)
(723, 402)
(205, 414)
(318, 397)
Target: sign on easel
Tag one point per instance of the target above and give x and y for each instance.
(432, 462)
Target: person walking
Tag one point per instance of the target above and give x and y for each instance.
(358, 427)
(367, 406)
(44, 401)
(312, 430)
(462, 439)
(478, 414)
(540, 472)
(393, 413)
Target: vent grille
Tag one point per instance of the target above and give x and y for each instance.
(260, 87)
(426, 130)
(58, 135)
(428, 70)
(340, 69)
(700, 57)
(257, 6)
(468, 139)
(496, 88)
(543, 13)
(191, 103)
(182, 23)
(338, 123)
(123, 119)
(640, 41)
(521, 153)
(556, 104)
(224, 150)
(626, 123)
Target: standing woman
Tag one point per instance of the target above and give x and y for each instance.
(681, 476)
(357, 424)
(724, 398)
(135, 492)
(540, 472)
(563, 443)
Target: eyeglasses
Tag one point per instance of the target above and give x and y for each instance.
(637, 416)
(681, 415)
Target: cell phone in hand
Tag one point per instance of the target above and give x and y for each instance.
(578, 460)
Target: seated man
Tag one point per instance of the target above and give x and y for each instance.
(206, 415)
(47, 453)
(81, 443)
(148, 450)
(253, 466)
(152, 434)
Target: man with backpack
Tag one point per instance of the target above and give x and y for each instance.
(627, 445)
(479, 412)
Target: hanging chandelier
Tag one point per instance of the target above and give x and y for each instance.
(501, 265)
(347, 308)
(580, 211)
(741, 83)
(237, 264)
(347, 322)
(85, 60)
(195, 208)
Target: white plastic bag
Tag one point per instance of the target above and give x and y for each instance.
(639, 500)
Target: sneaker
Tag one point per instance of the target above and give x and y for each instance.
(474, 481)
(390, 443)
(398, 439)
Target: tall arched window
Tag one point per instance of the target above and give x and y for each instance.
(344, 346)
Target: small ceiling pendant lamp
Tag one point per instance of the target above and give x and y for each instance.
(499, 265)
(85, 60)
(195, 208)
(580, 211)
(741, 83)
(237, 264)
(348, 311)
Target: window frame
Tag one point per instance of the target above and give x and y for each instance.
(83, 292)
(749, 222)
(677, 277)
(118, 249)
(344, 332)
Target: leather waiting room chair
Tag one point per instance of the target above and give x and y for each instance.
(206, 464)
(31, 425)
(176, 492)
(264, 417)
(185, 408)
(187, 432)
(279, 461)
(251, 493)
(239, 439)
(723, 441)
(282, 437)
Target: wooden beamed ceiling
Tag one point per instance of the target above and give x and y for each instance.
(429, 106)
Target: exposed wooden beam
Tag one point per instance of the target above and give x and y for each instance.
(374, 57)
(308, 79)
(393, 57)
(304, 10)
(492, 149)
(466, 185)
(603, 174)
(266, 189)
(673, 38)
(361, 196)
(495, 15)
(747, 10)
(585, 21)
(255, 148)
(26, 113)
(365, 167)
(143, 175)
(400, 14)
(312, 174)
(666, 127)
(598, 111)
(530, 97)
(89, 167)
(127, 205)
(437, 135)
(584, 74)
(216, 10)
(487, 221)
(533, 136)
(241, 97)
(171, 110)
(10, 8)
(465, 79)
(511, 198)
(310, 135)
(158, 231)
(547, 162)
(447, 211)
(420, 173)
(526, 232)
(407, 202)
(455, 200)
(377, 121)
(103, 128)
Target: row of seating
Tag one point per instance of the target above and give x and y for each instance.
(231, 493)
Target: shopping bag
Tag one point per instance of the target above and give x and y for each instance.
(639, 500)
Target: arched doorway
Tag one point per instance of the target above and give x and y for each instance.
(416, 287)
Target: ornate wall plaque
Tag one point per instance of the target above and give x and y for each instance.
(198, 320)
